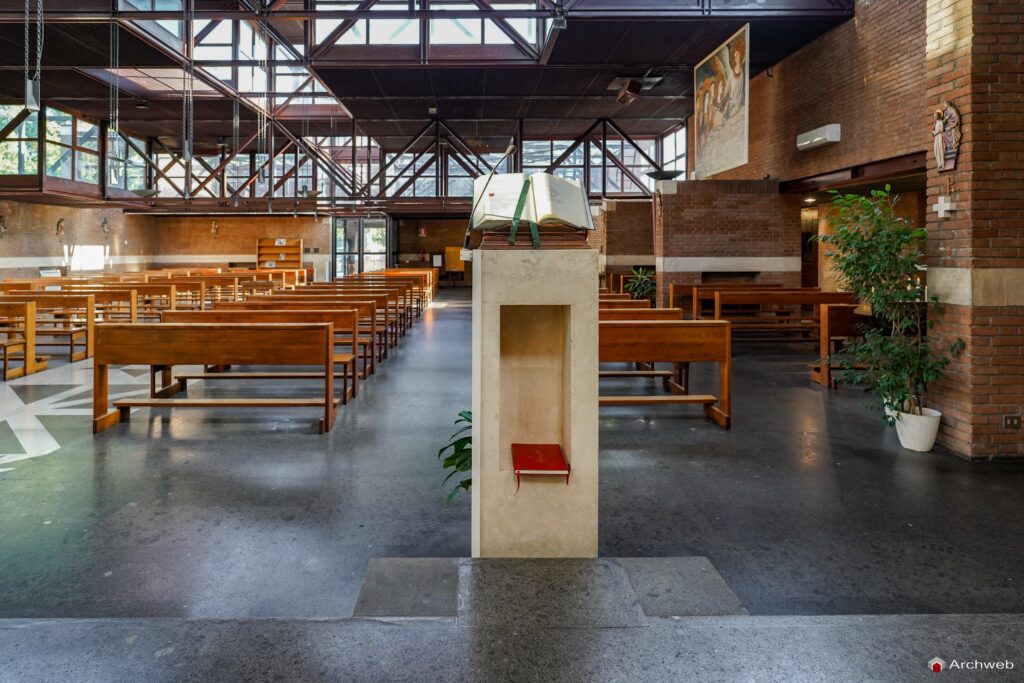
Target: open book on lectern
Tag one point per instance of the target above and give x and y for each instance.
(549, 200)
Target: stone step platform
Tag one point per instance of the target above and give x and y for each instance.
(546, 593)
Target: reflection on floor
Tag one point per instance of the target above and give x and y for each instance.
(806, 507)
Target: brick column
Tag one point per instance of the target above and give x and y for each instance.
(975, 54)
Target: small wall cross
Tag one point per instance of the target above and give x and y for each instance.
(944, 207)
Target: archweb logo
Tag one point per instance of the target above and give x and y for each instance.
(937, 664)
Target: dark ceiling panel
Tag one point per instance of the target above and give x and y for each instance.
(483, 100)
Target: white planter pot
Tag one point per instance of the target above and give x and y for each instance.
(918, 432)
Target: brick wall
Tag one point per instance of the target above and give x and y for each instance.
(31, 240)
(440, 233)
(136, 242)
(911, 206)
(628, 235)
(867, 74)
(726, 226)
(236, 235)
(976, 60)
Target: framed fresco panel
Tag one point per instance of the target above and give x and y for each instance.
(721, 92)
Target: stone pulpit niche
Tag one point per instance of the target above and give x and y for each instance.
(535, 381)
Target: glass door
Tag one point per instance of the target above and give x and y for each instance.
(375, 244)
(346, 246)
(360, 245)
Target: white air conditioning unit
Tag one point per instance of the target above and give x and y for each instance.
(819, 137)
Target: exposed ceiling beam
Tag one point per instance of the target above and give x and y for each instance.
(593, 9)
(14, 123)
(521, 43)
(340, 30)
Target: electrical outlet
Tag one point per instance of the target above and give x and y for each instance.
(1011, 421)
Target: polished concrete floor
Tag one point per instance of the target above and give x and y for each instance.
(808, 509)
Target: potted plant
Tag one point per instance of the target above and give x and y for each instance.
(460, 459)
(642, 284)
(877, 255)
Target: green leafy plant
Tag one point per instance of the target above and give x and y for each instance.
(642, 284)
(460, 459)
(877, 254)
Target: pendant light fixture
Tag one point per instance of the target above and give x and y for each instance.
(187, 85)
(235, 123)
(33, 82)
(114, 114)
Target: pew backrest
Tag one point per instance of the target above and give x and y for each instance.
(639, 314)
(651, 341)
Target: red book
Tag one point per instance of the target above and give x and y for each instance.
(539, 458)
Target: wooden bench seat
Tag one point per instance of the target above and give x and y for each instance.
(625, 303)
(385, 322)
(345, 322)
(19, 328)
(164, 345)
(789, 316)
(648, 342)
(639, 314)
(694, 296)
(368, 339)
(838, 324)
(54, 311)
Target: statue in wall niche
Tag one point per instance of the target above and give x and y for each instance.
(946, 136)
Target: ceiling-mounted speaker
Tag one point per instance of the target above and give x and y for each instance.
(630, 91)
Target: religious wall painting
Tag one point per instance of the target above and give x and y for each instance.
(946, 136)
(721, 88)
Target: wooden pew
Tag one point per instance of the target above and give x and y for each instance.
(695, 296)
(345, 322)
(639, 314)
(614, 297)
(53, 319)
(776, 321)
(430, 276)
(403, 301)
(20, 286)
(838, 323)
(19, 331)
(677, 342)
(388, 305)
(164, 345)
(366, 307)
(625, 303)
(419, 292)
(190, 294)
(112, 305)
(155, 296)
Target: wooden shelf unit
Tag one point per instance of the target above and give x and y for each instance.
(271, 254)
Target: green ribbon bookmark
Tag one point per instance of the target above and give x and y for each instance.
(518, 216)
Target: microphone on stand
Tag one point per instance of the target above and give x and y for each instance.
(509, 151)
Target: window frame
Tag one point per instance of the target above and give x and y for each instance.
(74, 149)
